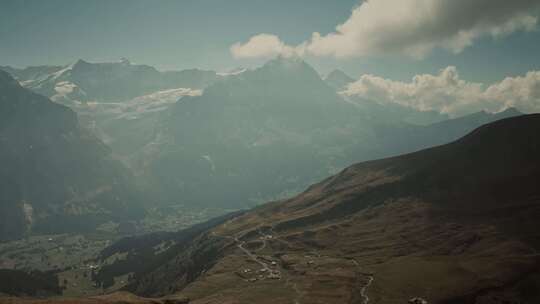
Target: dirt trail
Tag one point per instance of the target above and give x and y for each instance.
(240, 245)
(364, 289)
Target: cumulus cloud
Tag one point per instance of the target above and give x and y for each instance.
(263, 46)
(411, 27)
(520, 92)
(447, 93)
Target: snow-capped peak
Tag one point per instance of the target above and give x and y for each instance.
(125, 61)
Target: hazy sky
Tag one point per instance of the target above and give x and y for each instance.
(485, 42)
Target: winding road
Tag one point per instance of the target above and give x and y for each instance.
(240, 245)
(363, 290)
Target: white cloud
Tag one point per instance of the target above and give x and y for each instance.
(520, 92)
(447, 93)
(262, 46)
(411, 27)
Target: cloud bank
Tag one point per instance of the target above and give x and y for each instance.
(447, 93)
(410, 27)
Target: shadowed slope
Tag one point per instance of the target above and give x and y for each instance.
(55, 175)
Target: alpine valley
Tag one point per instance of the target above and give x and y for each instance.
(121, 183)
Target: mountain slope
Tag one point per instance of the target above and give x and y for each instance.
(453, 224)
(118, 101)
(403, 138)
(253, 136)
(31, 74)
(55, 175)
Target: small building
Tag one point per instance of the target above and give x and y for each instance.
(417, 300)
(274, 275)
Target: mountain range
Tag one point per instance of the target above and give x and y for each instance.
(241, 138)
(270, 132)
(119, 81)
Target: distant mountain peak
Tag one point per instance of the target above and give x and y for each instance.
(285, 61)
(292, 67)
(507, 112)
(338, 79)
(80, 62)
(125, 61)
(510, 111)
(337, 73)
(7, 80)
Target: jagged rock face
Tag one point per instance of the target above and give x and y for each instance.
(110, 81)
(53, 167)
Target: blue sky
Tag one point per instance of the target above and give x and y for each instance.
(198, 33)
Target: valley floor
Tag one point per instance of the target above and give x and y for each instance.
(73, 257)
